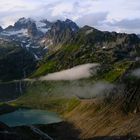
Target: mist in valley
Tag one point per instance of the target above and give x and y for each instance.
(75, 73)
(74, 86)
(87, 90)
(74, 82)
(136, 73)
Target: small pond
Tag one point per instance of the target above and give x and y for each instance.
(29, 117)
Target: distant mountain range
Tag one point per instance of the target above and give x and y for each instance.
(31, 34)
(63, 44)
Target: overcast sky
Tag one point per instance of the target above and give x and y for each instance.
(111, 15)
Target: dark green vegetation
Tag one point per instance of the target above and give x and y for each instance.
(48, 95)
(5, 108)
(115, 71)
(11, 90)
(15, 62)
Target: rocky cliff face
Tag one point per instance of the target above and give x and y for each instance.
(60, 33)
(65, 45)
(32, 30)
(37, 36)
(34, 38)
(88, 45)
(23, 23)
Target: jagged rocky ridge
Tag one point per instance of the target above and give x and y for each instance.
(32, 38)
(89, 45)
(37, 36)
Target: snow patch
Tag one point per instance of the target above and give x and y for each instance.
(36, 57)
(45, 48)
(44, 30)
(42, 26)
(28, 45)
(35, 47)
(22, 32)
(25, 20)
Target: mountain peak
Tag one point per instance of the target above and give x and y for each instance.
(47, 22)
(32, 29)
(86, 27)
(24, 20)
(68, 20)
(66, 24)
(23, 23)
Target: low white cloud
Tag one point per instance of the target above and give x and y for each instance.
(93, 19)
(61, 9)
(83, 89)
(99, 89)
(75, 73)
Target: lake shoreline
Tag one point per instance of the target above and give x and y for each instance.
(27, 117)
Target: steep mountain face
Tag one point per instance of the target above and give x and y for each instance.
(132, 96)
(89, 45)
(23, 23)
(47, 23)
(60, 33)
(26, 34)
(32, 30)
(132, 89)
(65, 45)
(23, 27)
(37, 36)
(15, 61)
(20, 28)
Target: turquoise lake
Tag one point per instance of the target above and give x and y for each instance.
(29, 117)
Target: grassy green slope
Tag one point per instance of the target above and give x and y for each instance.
(88, 46)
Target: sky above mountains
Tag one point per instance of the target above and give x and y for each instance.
(111, 15)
